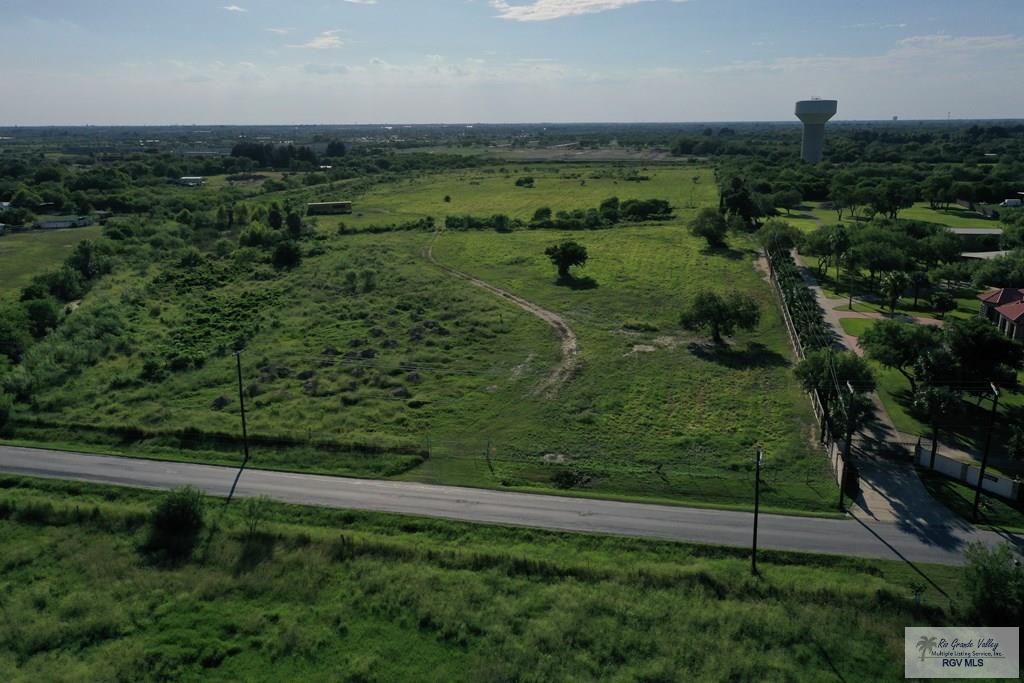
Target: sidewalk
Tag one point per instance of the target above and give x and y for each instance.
(890, 490)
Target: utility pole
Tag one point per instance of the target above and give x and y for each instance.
(846, 446)
(757, 507)
(241, 403)
(988, 446)
(245, 434)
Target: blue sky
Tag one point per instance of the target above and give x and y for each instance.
(397, 61)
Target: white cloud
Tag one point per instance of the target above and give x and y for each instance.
(325, 69)
(325, 41)
(281, 31)
(545, 10)
(915, 51)
(235, 8)
(945, 42)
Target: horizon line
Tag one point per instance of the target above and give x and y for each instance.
(793, 121)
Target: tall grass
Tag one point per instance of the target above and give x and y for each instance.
(358, 596)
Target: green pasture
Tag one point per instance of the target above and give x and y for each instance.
(689, 413)
(492, 190)
(24, 255)
(424, 376)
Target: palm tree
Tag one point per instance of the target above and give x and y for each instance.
(894, 282)
(926, 644)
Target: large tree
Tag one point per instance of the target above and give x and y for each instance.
(566, 255)
(982, 352)
(737, 199)
(710, 224)
(777, 234)
(900, 346)
(891, 196)
(721, 314)
(827, 373)
(788, 199)
(843, 193)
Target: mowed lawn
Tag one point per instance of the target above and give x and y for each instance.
(954, 217)
(492, 190)
(335, 595)
(24, 255)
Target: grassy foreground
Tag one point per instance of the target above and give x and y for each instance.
(335, 595)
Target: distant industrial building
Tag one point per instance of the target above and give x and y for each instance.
(191, 180)
(815, 114)
(327, 208)
(59, 222)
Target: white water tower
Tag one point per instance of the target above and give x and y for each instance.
(815, 114)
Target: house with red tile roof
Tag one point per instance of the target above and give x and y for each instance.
(1005, 308)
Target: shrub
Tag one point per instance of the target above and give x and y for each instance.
(254, 510)
(567, 479)
(256, 236)
(175, 525)
(993, 581)
(153, 370)
(369, 278)
(287, 255)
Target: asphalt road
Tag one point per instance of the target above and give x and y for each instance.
(912, 540)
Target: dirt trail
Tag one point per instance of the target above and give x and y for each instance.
(570, 348)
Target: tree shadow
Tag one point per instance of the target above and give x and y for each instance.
(170, 550)
(724, 250)
(755, 355)
(577, 282)
(256, 549)
(968, 427)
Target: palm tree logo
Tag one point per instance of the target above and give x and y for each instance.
(925, 645)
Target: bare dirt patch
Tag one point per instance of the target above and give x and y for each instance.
(642, 348)
(570, 346)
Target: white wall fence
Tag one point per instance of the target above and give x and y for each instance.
(968, 474)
